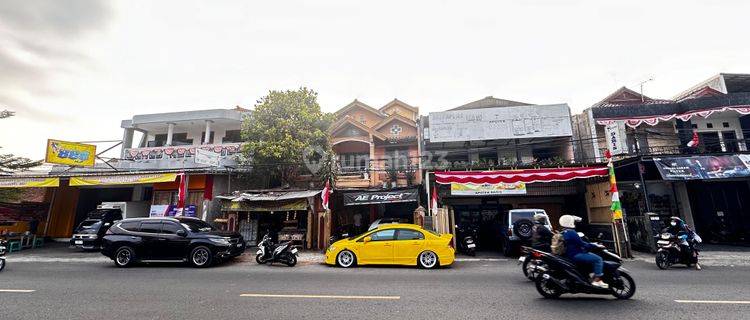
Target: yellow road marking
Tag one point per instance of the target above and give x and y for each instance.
(712, 301)
(313, 296)
(17, 290)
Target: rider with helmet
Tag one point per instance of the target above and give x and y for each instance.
(577, 249)
(680, 229)
(541, 238)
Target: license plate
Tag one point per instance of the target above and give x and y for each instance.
(294, 250)
(79, 242)
(662, 242)
(471, 245)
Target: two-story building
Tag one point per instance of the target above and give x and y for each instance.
(377, 152)
(493, 155)
(685, 156)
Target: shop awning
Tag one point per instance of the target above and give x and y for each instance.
(277, 196)
(122, 179)
(286, 205)
(513, 176)
(20, 182)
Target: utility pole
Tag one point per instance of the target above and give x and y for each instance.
(641, 84)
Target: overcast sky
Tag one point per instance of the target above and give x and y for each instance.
(73, 70)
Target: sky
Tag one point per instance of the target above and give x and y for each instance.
(72, 70)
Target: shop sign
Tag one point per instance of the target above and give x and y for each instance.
(703, 167)
(122, 179)
(616, 138)
(501, 123)
(376, 197)
(29, 182)
(293, 205)
(70, 153)
(487, 189)
(206, 157)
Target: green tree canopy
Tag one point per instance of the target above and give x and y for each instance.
(282, 130)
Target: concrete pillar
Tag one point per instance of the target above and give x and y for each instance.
(683, 202)
(127, 141)
(170, 132)
(207, 136)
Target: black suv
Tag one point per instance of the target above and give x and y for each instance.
(169, 239)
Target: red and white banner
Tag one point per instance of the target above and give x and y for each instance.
(655, 119)
(326, 195)
(182, 194)
(526, 175)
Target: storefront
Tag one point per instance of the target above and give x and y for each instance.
(284, 215)
(354, 210)
(481, 200)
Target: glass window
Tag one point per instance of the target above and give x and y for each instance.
(407, 234)
(197, 225)
(170, 228)
(383, 235)
(232, 136)
(151, 227)
(130, 225)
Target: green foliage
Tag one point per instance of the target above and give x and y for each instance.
(282, 128)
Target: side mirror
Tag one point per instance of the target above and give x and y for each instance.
(181, 233)
(367, 239)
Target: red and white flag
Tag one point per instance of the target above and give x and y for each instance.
(434, 200)
(182, 193)
(326, 194)
(695, 141)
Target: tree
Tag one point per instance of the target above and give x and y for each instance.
(10, 164)
(286, 134)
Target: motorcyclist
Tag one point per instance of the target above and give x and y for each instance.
(541, 238)
(688, 238)
(577, 249)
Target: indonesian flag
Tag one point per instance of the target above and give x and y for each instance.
(182, 193)
(434, 201)
(326, 194)
(695, 141)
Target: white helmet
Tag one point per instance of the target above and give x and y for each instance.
(569, 221)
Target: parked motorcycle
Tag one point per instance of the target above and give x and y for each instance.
(561, 275)
(270, 253)
(670, 252)
(3, 250)
(466, 243)
(529, 262)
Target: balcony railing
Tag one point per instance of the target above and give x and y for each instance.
(704, 147)
(179, 152)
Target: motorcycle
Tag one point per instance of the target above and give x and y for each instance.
(270, 253)
(670, 252)
(467, 244)
(529, 262)
(3, 250)
(560, 275)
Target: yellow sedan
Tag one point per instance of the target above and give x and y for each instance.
(395, 244)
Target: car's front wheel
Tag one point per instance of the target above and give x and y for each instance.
(124, 257)
(346, 259)
(201, 257)
(428, 260)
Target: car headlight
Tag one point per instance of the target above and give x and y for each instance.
(220, 241)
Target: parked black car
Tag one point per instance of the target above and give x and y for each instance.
(170, 239)
(88, 235)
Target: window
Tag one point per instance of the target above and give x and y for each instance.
(406, 234)
(170, 228)
(151, 227)
(197, 226)
(210, 138)
(383, 235)
(232, 136)
(178, 139)
(362, 119)
(709, 125)
(130, 225)
(725, 124)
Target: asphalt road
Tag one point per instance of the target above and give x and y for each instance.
(467, 290)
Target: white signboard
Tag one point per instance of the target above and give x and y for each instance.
(501, 123)
(207, 157)
(158, 210)
(616, 138)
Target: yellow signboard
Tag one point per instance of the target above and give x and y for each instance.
(122, 179)
(29, 182)
(486, 189)
(70, 153)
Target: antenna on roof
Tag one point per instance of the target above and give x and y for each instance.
(641, 84)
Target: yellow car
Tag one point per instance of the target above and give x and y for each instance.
(399, 244)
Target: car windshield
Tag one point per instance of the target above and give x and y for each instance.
(197, 226)
(518, 215)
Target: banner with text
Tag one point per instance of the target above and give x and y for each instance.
(70, 153)
(704, 167)
(376, 197)
(487, 189)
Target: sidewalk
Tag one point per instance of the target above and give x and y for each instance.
(711, 255)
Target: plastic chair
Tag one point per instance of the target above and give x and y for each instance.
(14, 245)
(38, 242)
